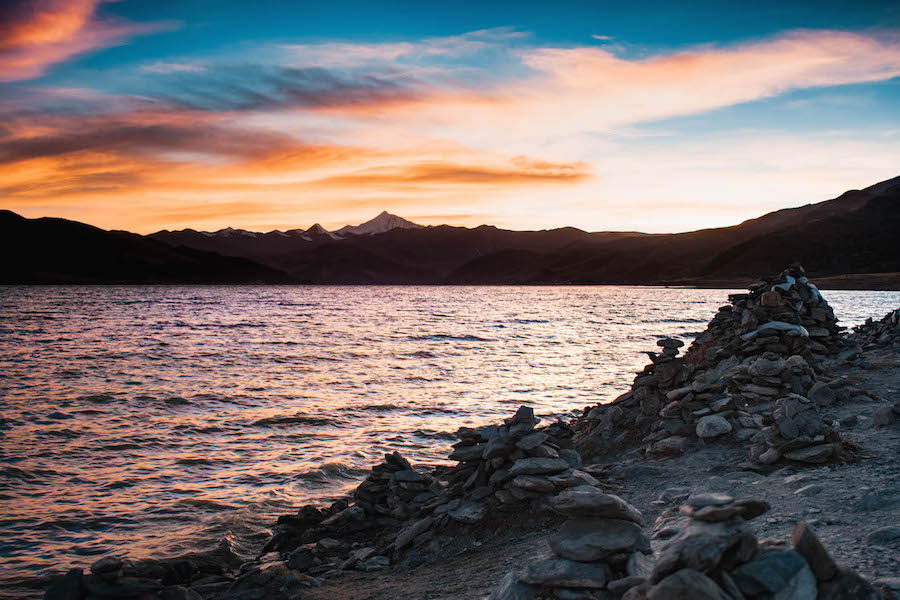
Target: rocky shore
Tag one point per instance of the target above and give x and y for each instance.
(653, 495)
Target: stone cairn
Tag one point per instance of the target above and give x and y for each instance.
(754, 376)
(706, 552)
(398, 508)
(499, 467)
(599, 552)
(878, 334)
(710, 553)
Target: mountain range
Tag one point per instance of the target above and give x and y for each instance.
(851, 240)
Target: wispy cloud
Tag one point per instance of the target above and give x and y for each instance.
(482, 123)
(36, 34)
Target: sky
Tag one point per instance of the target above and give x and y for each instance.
(650, 116)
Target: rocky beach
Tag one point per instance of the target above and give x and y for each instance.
(760, 463)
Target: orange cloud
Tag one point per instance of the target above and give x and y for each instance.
(37, 34)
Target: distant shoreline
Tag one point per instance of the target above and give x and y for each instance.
(884, 282)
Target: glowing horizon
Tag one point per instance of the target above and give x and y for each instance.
(131, 116)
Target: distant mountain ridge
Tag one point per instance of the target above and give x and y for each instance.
(382, 223)
(855, 233)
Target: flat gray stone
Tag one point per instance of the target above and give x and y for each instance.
(586, 501)
(534, 483)
(532, 440)
(538, 466)
(812, 454)
(591, 539)
(566, 573)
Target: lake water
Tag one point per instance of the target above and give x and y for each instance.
(153, 420)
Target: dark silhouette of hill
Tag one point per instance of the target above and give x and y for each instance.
(856, 233)
(59, 251)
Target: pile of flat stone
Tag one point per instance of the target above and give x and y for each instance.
(601, 551)
(512, 462)
(500, 467)
(711, 553)
(878, 334)
(755, 376)
(394, 490)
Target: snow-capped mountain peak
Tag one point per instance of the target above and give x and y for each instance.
(380, 224)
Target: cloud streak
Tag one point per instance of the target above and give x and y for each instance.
(483, 123)
(36, 34)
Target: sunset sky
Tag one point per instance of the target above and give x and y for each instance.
(652, 116)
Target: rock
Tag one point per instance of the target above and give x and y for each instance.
(566, 573)
(571, 456)
(376, 563)
(591, 539)
(532, 440)
(889, 586)
(510, 588)
(717, 513)
(301, 559)
(123, 587)
(639, 565)
(686, 584)
(812, 454)
(669, 343)
(67, 587)
(108, 567)
(712, 426)
(847, 585)
(670, 446)
(809, 490)
(884, 416)
(534, 483)
(468, 453)
(701, 546)
(412, 531)
(821, 394)
(468, 512)
(769, 457)
(807, 545)
(618, 587)
(700, 500)
(772, 572)
(884, 536)
(177, 592)
(586, 501)
(538, 466)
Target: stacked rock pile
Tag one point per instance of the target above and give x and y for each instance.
(712, 554)
(395, 491)
(878, 334)
(754, 376)
(599, 552)
(499, 467)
